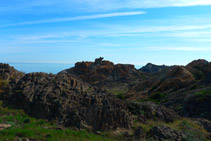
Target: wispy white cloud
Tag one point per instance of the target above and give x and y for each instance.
(98, 16)
(202, 40)
(99, 5)
(55, 6)
(180, 48)
(190, 32)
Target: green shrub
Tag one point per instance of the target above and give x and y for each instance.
(157, 97)
(198, 75)
(191, 133)
(202, 95)
(121, 96)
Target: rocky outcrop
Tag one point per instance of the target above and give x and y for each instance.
(65, 99)
(151, 68)
(167, 81)
(199, 68)
(100, 72)
(149, 110)
(206, 124)
(172, 79)
(8, 73)
(8, 77)
(160, 133)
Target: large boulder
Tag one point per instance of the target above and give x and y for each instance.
(68, 101)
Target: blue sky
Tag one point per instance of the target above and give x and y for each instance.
(123, 31)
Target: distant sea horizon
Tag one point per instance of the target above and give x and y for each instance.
(45, 67)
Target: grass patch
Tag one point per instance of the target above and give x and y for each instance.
(3, 83)
(117, 91)
(202, 95)
(156, 98)
(192, 131)
(120, 93)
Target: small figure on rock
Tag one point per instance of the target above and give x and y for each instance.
(99, 60)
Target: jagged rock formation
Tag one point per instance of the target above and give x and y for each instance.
(65, 99)
(101, 72)
(173, 79)
(79, 97)
(152, 68)
(149, 110)
(167, 81)
(180, 87)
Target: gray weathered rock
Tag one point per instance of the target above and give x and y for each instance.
(206, 124)
(161, 133)
(149, 110)
(65, 99)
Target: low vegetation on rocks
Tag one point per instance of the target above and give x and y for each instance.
(23, 127)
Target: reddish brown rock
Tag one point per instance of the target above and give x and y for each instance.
(100, 72)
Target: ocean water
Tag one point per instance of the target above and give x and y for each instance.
(40, 67)
(44, 67)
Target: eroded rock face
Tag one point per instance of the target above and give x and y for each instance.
(168, 80)
(100, 71)
(160, 133)
(149, 110)
(65, 99)
(172, 79)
